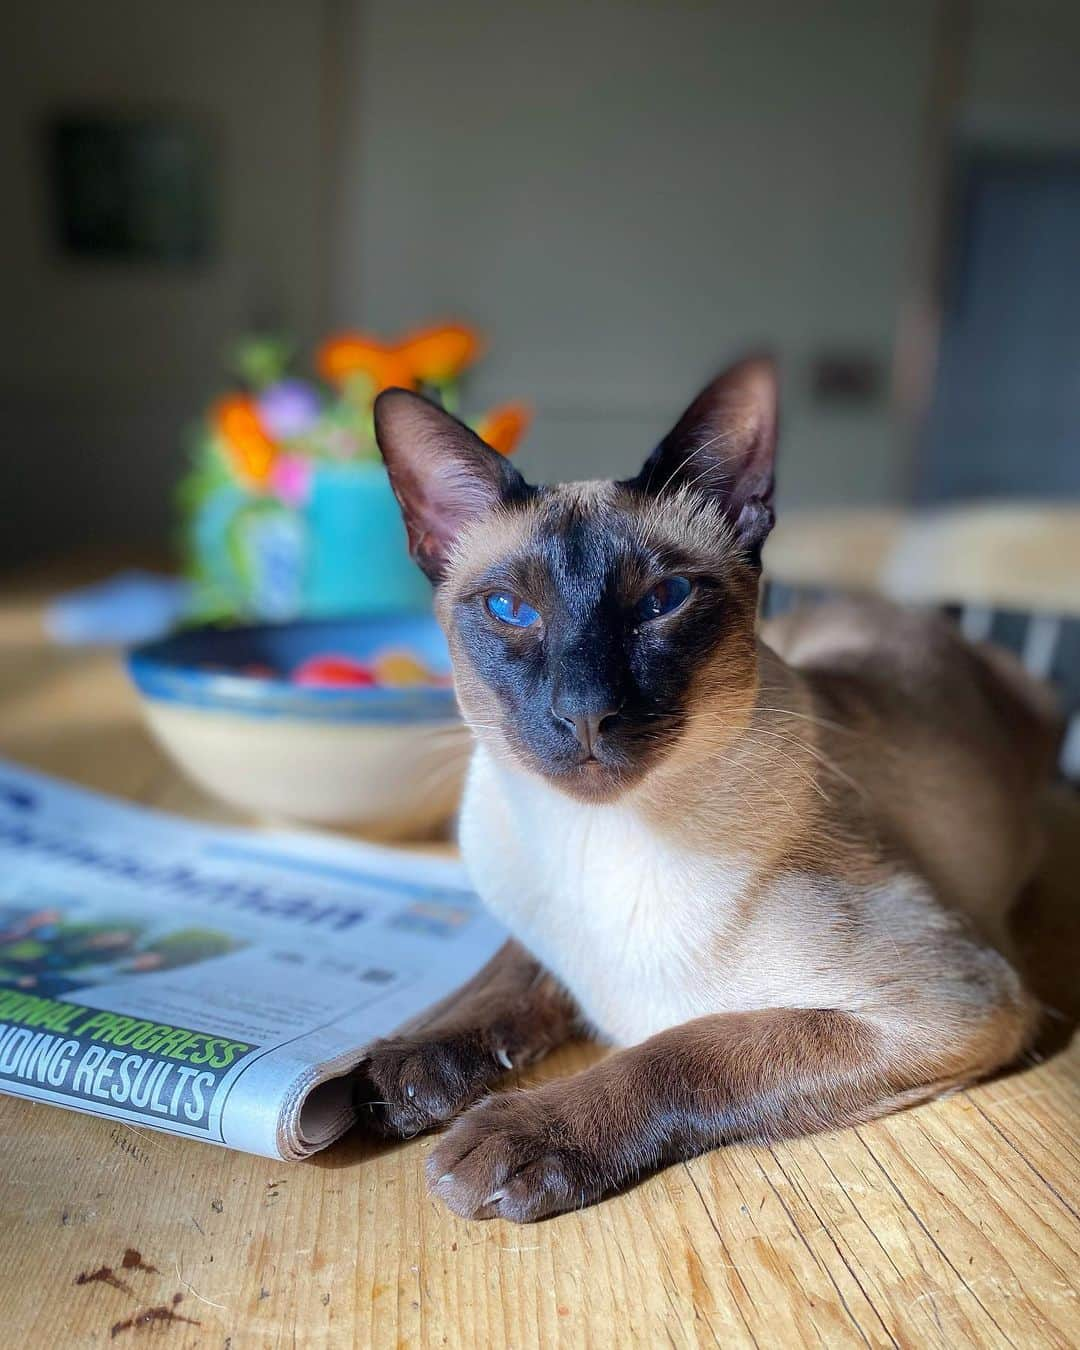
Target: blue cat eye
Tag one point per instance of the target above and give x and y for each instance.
(665, 596)
(511, 609)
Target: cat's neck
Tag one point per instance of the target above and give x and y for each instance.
(756, 776)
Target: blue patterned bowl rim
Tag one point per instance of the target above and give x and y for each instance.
(205, 668)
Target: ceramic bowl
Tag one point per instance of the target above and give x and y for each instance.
(386, 761)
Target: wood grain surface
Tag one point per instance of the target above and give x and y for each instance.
(951, 1225)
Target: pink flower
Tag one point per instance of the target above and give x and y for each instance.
(290, 479)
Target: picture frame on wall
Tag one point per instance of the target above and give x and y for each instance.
(135, 187)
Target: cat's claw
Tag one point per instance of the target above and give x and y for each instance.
(408, 1086)
(507, 1158)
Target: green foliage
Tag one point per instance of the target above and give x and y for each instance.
(260, 360)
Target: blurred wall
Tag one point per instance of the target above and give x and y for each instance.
(102, 365)
(626, 194)
(1022, 73)
(623, 193)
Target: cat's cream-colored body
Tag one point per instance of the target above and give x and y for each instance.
(646, 936)
(611, 909)
(645, 933)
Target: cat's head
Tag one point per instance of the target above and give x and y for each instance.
(594, 626)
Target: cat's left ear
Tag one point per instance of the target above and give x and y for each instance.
(724, 444)
(443, 475)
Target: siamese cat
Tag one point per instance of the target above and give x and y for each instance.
(771, 867)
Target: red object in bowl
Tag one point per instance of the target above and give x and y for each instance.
(333, 672)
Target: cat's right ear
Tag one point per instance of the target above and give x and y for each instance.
(443, 475)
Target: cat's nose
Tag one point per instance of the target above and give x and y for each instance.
(586, 726)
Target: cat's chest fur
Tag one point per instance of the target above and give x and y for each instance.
(630, 923)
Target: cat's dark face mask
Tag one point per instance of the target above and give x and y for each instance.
(590, 623)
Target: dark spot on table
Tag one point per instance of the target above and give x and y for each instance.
(133, 1261)
(103, 1275)
(160, 1315)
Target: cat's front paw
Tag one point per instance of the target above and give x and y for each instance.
(407, 1086)
(511, 1157)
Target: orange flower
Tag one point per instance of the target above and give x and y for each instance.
(426, 356)
(503, 427)
(439, 353)
(252, 452)
(354, 354)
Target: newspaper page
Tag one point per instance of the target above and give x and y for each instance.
(214, 982)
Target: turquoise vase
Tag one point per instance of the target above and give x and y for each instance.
(358, 556)
(343, 552)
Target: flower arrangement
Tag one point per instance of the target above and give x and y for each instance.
(287, 510)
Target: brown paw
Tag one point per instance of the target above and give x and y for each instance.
(408, 1086)
(510, 1158)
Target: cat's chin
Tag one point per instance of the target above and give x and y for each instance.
(593, 781)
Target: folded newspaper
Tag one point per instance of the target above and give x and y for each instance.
(216, 983)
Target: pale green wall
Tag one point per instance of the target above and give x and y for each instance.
(1022, 80)
(626, 194)
(622, 192)
(102, 366)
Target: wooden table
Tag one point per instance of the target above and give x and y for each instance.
(951, 1225)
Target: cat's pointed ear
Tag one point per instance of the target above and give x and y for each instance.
(724, 444)
(443, 475)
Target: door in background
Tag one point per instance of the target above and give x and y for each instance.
(1005, 416)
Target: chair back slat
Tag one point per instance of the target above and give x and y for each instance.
(1047, 644)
